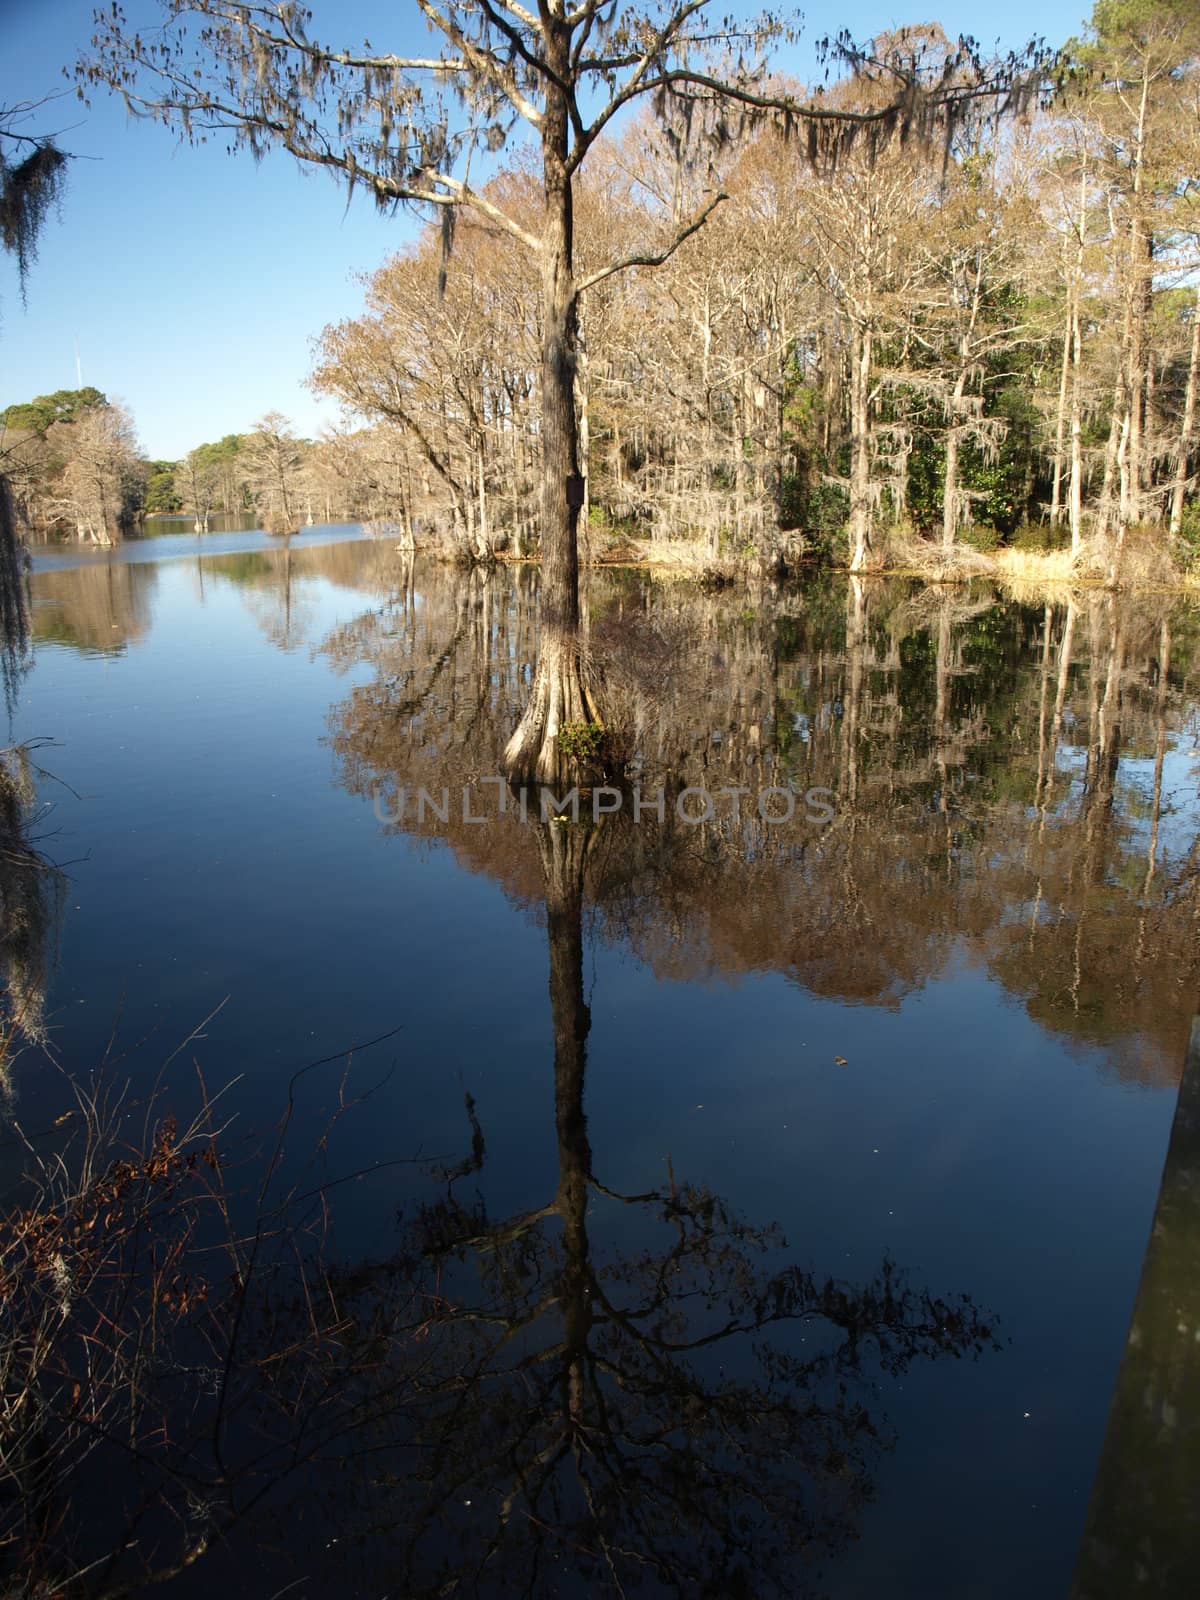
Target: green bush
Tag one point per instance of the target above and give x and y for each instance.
(820, 513)
(1040, 536)
(582, 742)
(979, 536)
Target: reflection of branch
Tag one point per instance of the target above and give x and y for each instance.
(679, 1474)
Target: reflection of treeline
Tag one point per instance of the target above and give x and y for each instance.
(272, 582)
(1007, 782)
(102, 607)
(106, 606)
(347, 564)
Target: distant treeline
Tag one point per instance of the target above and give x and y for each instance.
(73, 464)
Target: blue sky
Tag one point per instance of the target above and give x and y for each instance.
(193, 282)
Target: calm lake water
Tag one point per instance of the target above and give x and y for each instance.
(937, 1039)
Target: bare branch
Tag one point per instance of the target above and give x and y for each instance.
(655, 259)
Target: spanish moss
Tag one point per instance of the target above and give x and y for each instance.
(30, 903)
(27, 191)
(14, 599)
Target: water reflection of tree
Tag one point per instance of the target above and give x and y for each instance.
(500, 1405)
(693, 1412)
(277, 584)
(697, 1409)
(989, 763)
(701, 1412)
(102, 606)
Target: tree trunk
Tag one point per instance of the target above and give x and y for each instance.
(1123, 455)
(562, 687)
(707, 454)
(950, 482)
(1060, 425)
(1074, 293)
(1076, 493)
(585, 434)
(783, 347)
(860, 451)
(1185, 431)
(742, 428)
(1118, 551)
(1119, 418)
(483, 542)
(408, 542)
(1142, 251)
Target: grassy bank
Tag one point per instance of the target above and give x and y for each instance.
(1145, 563)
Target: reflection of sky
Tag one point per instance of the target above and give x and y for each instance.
(170, 546)
(1179, 817)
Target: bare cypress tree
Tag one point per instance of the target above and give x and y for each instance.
(407, 129)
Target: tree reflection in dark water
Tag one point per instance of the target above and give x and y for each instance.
(697, 1413)
(606, 1392)
(1004, 786)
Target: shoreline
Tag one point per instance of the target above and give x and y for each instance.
(1041, 570)
(1017, 572)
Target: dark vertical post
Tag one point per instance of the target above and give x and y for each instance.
(1143, 1530)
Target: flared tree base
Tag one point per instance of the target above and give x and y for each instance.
(564, 695)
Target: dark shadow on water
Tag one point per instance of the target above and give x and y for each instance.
(1143, 1528)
